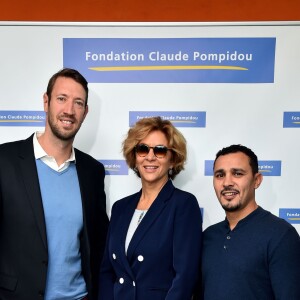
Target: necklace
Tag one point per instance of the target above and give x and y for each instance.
(140, 218)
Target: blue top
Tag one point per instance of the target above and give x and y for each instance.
(258, 259)
(63, 215)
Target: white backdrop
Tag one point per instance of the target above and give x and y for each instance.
(245, 113)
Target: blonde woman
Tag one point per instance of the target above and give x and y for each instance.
(154, 240)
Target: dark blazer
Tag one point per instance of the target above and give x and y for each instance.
(23, 240)
(162, 261)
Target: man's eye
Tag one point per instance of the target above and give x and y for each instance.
(218, 175)
(60, 99)
(238, 174)
(79, 103)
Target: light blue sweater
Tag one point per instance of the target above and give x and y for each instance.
(64, 221)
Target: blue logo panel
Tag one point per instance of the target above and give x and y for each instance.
(178, 118)
(176, 60)
(291, 119)
(292, 215)
(22, 118)
(266, 167)
(270, 167)
(209, 168)
(115, 167)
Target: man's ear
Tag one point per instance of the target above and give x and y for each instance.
(258, 180)
(46, 102)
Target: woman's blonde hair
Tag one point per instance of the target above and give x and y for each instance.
(141, 129)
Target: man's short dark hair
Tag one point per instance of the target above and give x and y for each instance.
(240, 148)
(68, 73)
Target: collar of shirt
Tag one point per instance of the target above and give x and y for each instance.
(39, 153)
(245, 220)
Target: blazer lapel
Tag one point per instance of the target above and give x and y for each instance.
(125, 221)
(30, 177)
(150, 217)
(84, 188)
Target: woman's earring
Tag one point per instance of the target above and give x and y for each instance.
(170, 172)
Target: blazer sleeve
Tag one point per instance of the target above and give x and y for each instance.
(186, 249)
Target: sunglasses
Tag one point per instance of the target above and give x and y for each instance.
(159, 151)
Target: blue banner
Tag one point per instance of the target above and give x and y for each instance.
(292, 215)
(270, 167)
(172, 60)
(115, 167)
(291, 119)
(178, 118)
(22, 118)
(265, 167)
(209, 168)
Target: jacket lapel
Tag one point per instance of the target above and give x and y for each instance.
(30, 177)
(125, 221)
(84, 188)
(84, 185)
(153, 213)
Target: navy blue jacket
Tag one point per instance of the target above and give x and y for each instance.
(162, 261)
(23, 238)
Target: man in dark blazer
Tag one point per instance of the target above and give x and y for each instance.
(32, 236)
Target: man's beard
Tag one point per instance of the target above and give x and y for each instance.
(64, 136)
(231, 208)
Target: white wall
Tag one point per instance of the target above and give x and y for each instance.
(244, 113)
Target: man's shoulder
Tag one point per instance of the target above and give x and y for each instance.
(12, 146)
(266, 217)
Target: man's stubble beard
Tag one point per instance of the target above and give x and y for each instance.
(59, 134)
(231, 208)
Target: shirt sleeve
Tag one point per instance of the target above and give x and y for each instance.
(284, 266)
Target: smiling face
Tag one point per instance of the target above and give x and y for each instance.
(66, 110)
(234, 182)
(153, 169)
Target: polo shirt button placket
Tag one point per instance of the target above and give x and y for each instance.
(228, 237)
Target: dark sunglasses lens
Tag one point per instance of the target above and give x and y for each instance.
(142, 150)
(160, 151)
